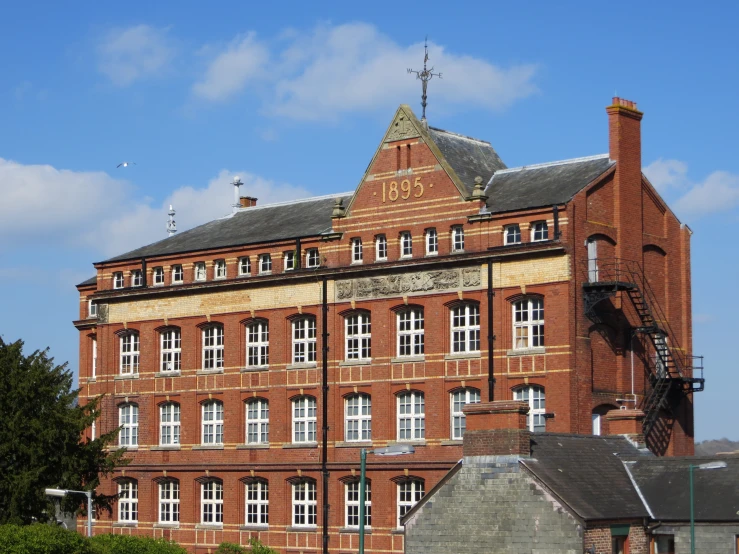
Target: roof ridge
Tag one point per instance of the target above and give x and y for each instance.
(460, 135)
(550, 164)
(291, 202)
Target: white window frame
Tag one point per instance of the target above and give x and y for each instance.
(213, 347)
(169, 502)
(178, 274)
(304, 340)
(411, 334)
(257, 344)
(432, 242)
(411, 418)
(406, 244)
(457, 238)
(93, 372)
(459, 399)
(92, 309)
(381, 248)
(288, 260)
(212, 423)
(211, 503)
(257, 421)
(312, 258)
(535, 396)
(358, 337)
(304, 504)
(244, 266)
(170, 350)
(358, 418)
(158, 276)
(597, 420)
(465, 328)
(256, 508)
(409, 493)
(201, 271)
(304, 420)
(357, 251)
(540, 228)
(512, 234)
(265, 264)
(351, 504)
(118, 281)
(220, 271)
(137, 278)
(128, 421)
(169, 424)
(128, 501)
(528, 323)
(130, 346)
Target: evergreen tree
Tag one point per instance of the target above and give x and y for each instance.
(41, 437)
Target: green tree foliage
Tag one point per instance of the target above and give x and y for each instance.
(126, 544)
(41, 443)
(255, 547)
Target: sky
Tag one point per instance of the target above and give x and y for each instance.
(294, 97)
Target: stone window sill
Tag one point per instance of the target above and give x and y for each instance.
(168, 374)
(254, 369)
(353, 444)
(208, 447)
(355, 530)
(133, 448)
(527, 351)
(209, 526)
(166, 447)
(400, 531)
(346, 363)
(452, 442)
(407, 359)
(125, 377)
(166, 526)
(252, 447)
(253, 527)
(210, 371)
(411, 443)
(132, 524)
(309, 365)
(306, 529)
(301, 445)
(92, 379)
(431, 254)
(463, 356)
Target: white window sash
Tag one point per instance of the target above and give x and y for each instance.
(409, 493)
(304, 505)
(465, 327)
(128, 420)
(257, 422)
(305, 420)
(256, 494)
(528, 323)
(129, 355)
(170, 350)
(411, 419)
(410, 333)
(304, 340)
(381, 247)
(128, 502)
(169, 502)
(213, 347)
(459, 399)
(358, 418)
(212, 424)
(211, 499)
(257, 344)
(351, 504)
(358, 333)
(169, 430)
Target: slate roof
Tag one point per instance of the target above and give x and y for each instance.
(91, 281)
(273, 222)
(587, 473)
(468, 157)
(664, 483)
(536, 186)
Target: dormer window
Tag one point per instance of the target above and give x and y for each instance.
(539, 231)
(200, 271)
(136, 278)
(220, 269)
(244, 266)
(265, 263)
(178, 275)
(289, 260)
(311, 258)
(513, 234)
(118, 280)
(159, 275)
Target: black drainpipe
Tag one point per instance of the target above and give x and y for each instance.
(556, 222)
(324, 400)
(143, 272)
(298, 248)
(491, 337)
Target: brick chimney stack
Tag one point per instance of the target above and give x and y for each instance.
(247, 201)
(497, 429)
(627, 423)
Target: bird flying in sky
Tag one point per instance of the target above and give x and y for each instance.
(126, 164)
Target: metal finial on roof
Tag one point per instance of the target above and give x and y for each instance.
(425, 76)
(171, 225)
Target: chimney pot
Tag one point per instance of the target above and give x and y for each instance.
(247, 201)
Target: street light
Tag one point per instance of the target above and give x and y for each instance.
(61, 493)
(393, 450)
(708, 465)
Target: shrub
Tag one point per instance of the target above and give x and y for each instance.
(41, 539)
(127, 544)
(255, 547)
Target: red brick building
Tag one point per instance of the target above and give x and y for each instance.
(249, 359)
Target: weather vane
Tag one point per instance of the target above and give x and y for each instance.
(425, 76)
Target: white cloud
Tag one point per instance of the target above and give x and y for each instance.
(354, 67)
(126, 55)
(243, 60)
(716, 193)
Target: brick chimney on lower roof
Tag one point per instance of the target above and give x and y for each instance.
(627, 423)
(247, 201)
(497, 429)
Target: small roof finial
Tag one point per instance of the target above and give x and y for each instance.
(171, 225)
(425, 76)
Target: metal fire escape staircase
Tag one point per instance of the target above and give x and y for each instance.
(671, 372)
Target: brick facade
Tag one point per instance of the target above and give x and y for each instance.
(582, 368)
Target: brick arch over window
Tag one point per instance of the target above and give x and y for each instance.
(600, 253)
(655, 272)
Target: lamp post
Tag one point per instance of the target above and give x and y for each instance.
(394, 450)
(708, 465)
(61, 493)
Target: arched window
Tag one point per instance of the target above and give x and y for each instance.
(213, 343)
(358, 423)
(534, 395)
(411, 416)
(460, 398)
(257, 421)
(380, 248)
(212, 422)
(128, 501)
(304, 340)
(457, 238)
(410, 332)
(305, 419)
(304, 503)
(128, 420)
(169, 501)
(169, 424)
(358, 336)
(170, 350)
(257, 344)
(257, 502)
(539, 231)
(432, 242)
(410, 491)
(130, 345)
(357, 251)
(351, 503)
(528, 323)
(211, 502)
(465, 328)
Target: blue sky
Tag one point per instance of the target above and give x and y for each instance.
(295, 96)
